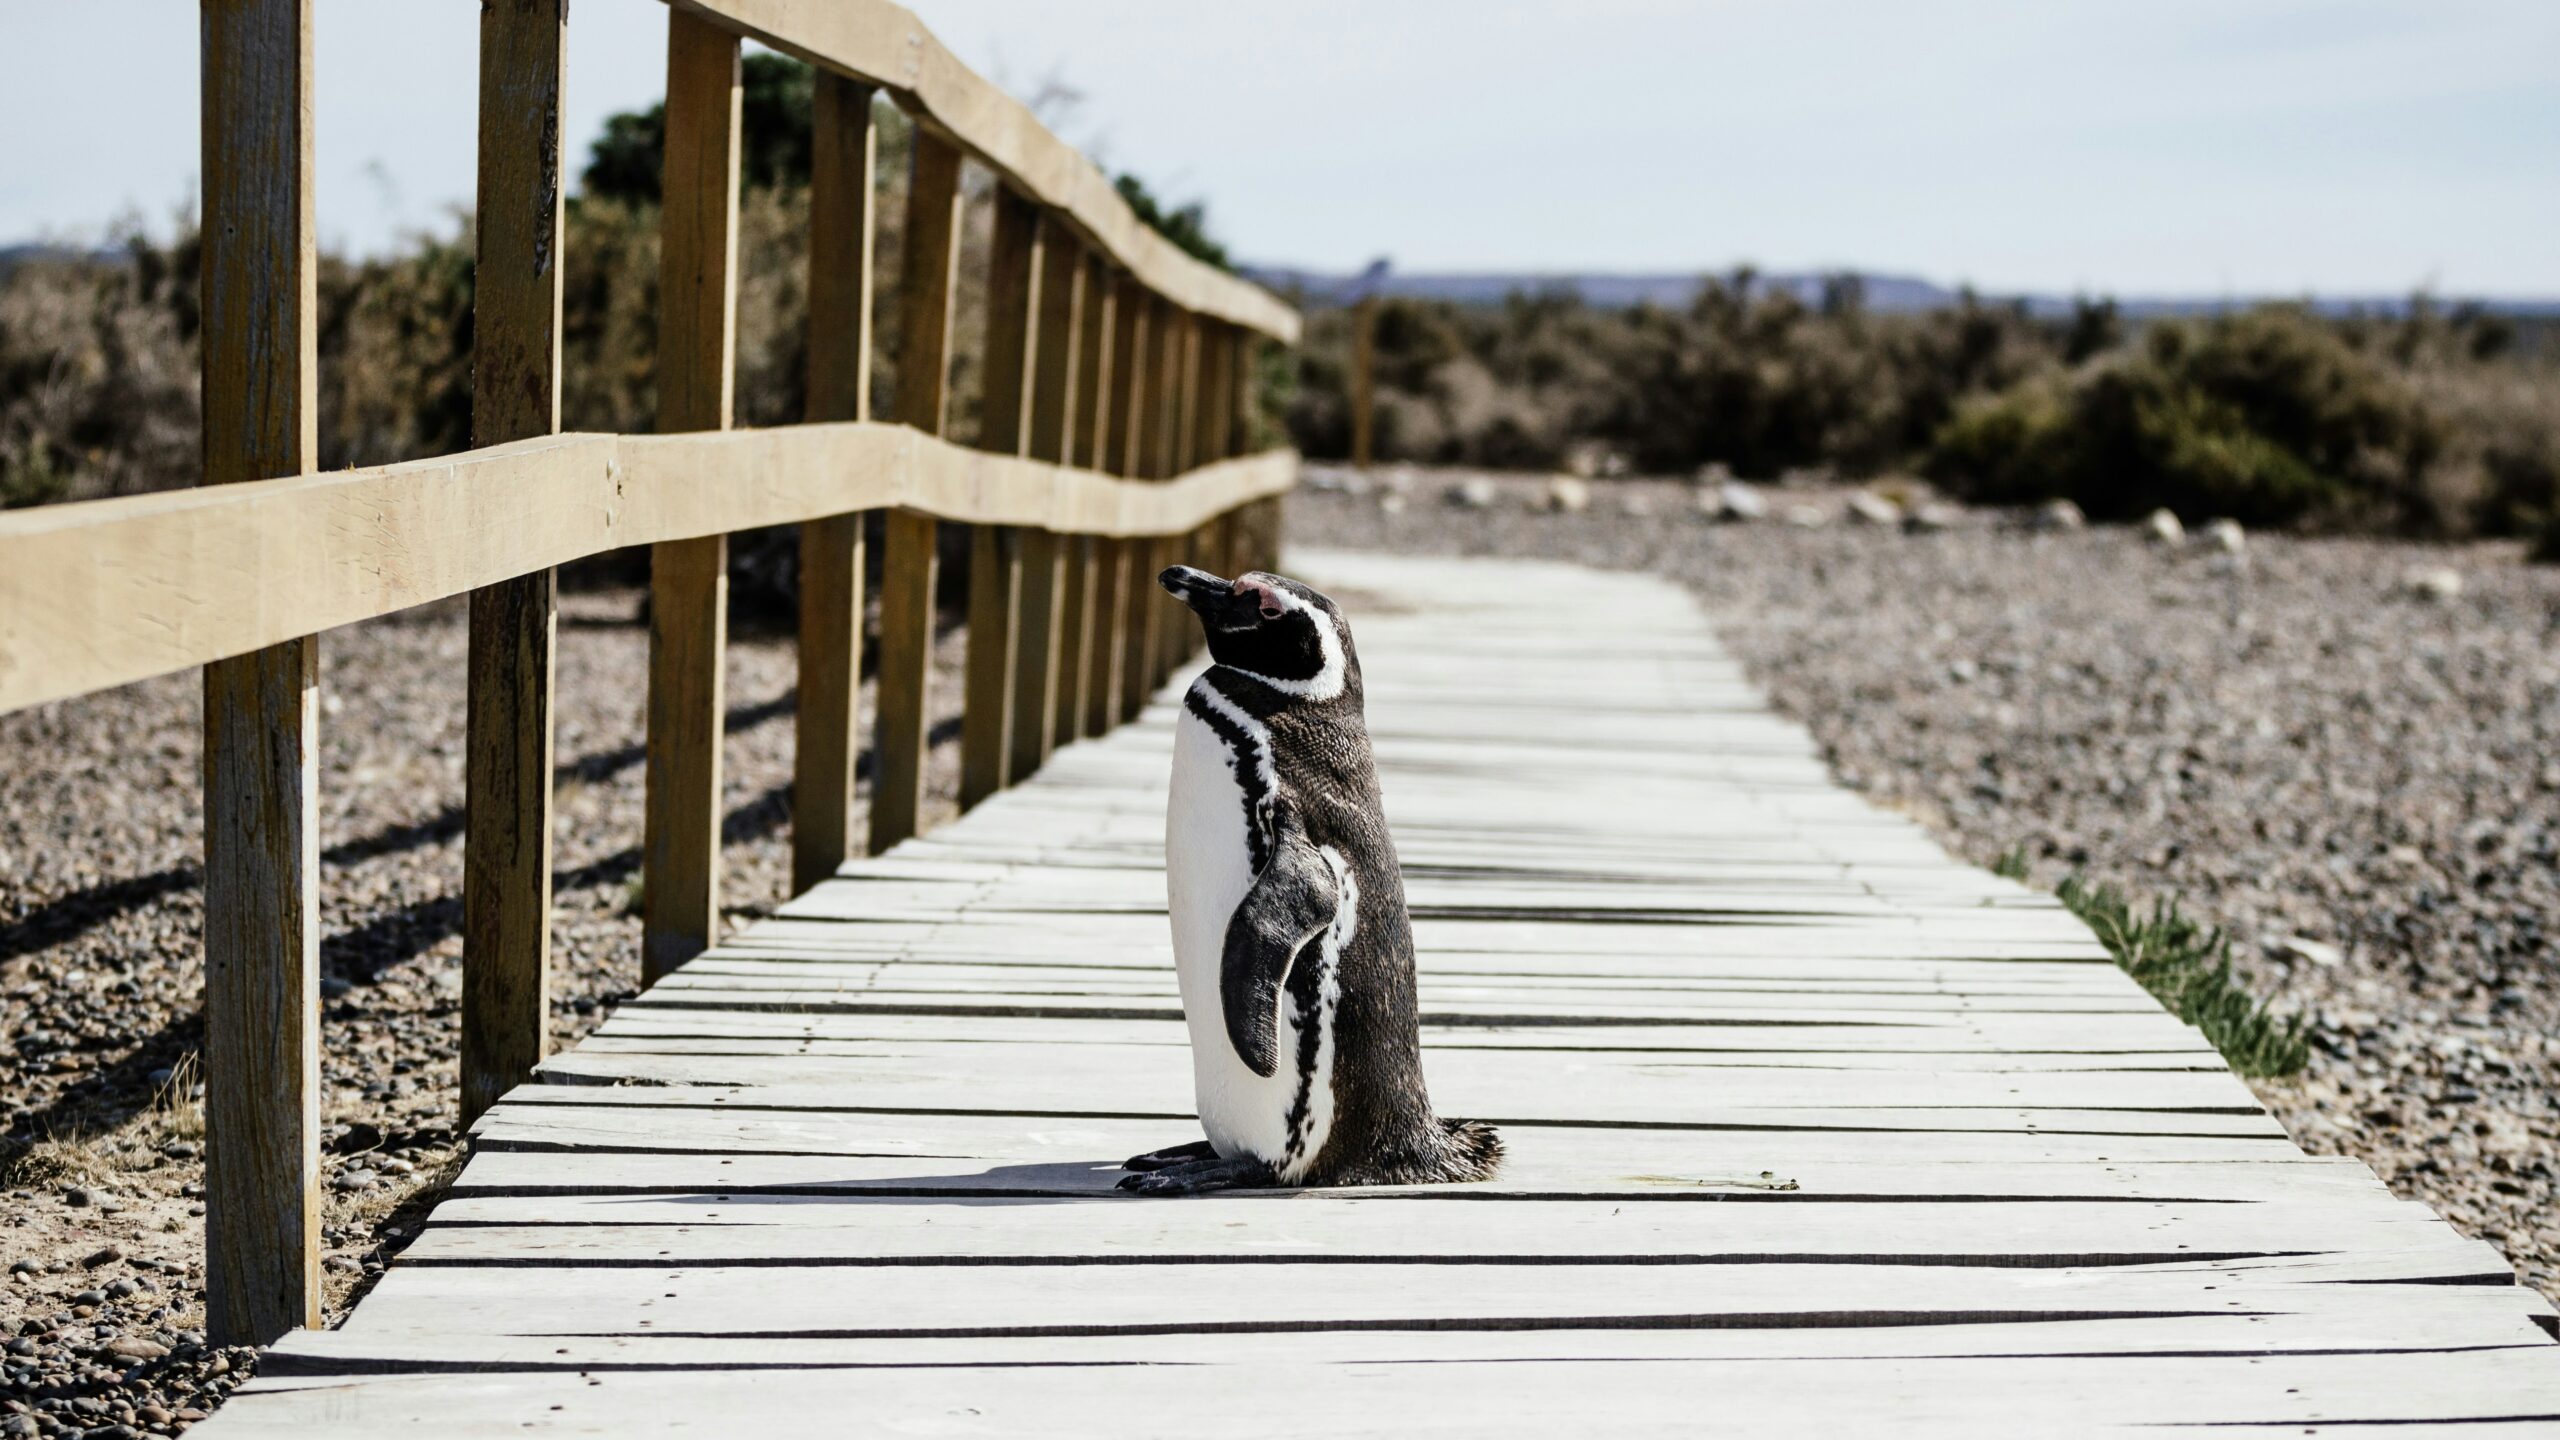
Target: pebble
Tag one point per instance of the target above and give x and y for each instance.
(2435, 583)
(2225, 536)
(1473, 493)
(96, 1258)
(2163, 528)
(1568, 495)
(80, 1197)
(1868, 508)
(1735, 500)
(2059, 515)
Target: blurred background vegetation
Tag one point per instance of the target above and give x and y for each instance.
(2430, 420)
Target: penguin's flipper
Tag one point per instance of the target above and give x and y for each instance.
(1291, 900)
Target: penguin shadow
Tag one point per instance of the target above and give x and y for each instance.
(1048, 1183)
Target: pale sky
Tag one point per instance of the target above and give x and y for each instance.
(2135, 147)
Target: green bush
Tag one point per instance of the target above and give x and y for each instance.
(2271, 416)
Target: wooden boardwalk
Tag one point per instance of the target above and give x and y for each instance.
(1813, 1131)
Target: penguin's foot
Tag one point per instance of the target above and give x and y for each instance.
(1170, 1155)
(1199, 1177)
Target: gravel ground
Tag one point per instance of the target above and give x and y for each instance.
(100, 974)
(2358, 778)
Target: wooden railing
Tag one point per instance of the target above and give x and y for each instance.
(1117, 408)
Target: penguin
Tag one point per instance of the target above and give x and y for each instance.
(1290, 935)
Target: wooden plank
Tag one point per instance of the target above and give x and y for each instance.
(1938, 1397)
(1075, 637)
(1040, 652)
(1096, 328)
(1108, 650)
(1538, 1395)
(1057, 371)
(1159, 411)
(689, 579)
(963, 1306)
(1330, 1227)
(907, 581)
(885, 44)
(261, 726)
(99, 593)
(1139, 594)
(928, 281)
(1037, 646)
(506, 871)
(989, 709)
(845, 148)
(1132, 341)
(612, 1152)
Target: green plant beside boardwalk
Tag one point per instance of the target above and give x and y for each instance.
(2186, 965)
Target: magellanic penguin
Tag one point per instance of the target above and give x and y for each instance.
(1290, 935)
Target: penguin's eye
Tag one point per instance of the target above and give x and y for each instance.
(1271, 612)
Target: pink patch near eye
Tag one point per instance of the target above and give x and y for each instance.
(1270, 605)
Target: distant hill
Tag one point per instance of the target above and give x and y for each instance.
(1882, 292)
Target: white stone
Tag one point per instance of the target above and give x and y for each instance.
(1734, 500)
(1869, 508)
(2328, 957)
(1473, 493)
(2438, 583)
(2226, 536)
(2163, 527)
(1568, 495)
(2059, 515)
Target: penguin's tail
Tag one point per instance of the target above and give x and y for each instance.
(1474, 1151)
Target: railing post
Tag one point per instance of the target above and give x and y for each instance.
(1048, 410)
(992, 710)
(926, 287)
(261, 824)
(1110, 633)
(1085, 704)
(1364, 381)
(689, 579)
(844, 153)
(515, 393)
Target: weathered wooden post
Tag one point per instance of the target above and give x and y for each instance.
(515, 393)
(1364, 379)
(689, 579)
(844, 154)
(991, 709)
(927, 283)
(261, 710)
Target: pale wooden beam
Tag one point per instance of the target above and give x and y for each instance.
(689, 579)
(515, 393)
(845, 148)
(261, 726)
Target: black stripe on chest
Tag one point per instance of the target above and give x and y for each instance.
(1246, 755)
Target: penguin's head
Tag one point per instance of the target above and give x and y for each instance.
(1273, 629)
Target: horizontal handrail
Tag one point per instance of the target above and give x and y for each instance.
(884, 44)
(105, 592)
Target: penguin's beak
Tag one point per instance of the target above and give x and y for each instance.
(1196, 588)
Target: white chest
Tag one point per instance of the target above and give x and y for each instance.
(1209, 866)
